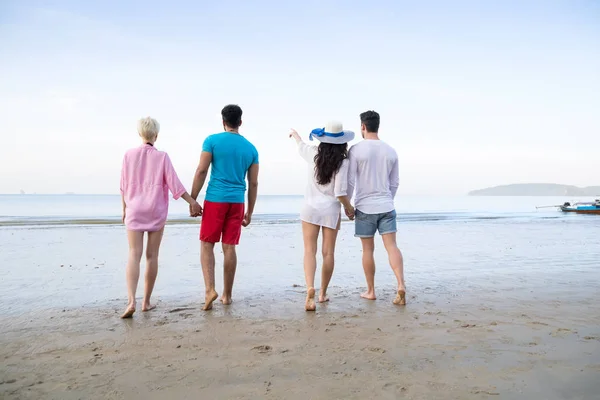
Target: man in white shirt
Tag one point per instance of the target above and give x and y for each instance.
(373, 173)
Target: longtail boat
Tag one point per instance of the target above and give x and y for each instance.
(582, 208)
(579, 207)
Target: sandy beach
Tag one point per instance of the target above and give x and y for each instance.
(496, 308)
(482, 345)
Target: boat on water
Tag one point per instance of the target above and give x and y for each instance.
(582, 208)
(592, 207)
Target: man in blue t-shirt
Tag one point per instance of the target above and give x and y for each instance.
(233, 160)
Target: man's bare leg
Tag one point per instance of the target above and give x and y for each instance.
(132, 272)
(310, 234)
(207, 259)
(154, 239)
(329, 238)
(368, 260)
(229, 267)
(397, 264)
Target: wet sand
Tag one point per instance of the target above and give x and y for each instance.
(496, 309)
(487, 344)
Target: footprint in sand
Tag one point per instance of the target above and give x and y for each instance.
(489, 393)
(376, 350)
(561, 331)
(263, 348)
(180, 309)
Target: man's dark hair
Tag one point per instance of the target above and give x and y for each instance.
(371, 121)
(232, 115)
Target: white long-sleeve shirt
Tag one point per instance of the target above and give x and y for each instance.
(321, 206)
(373, 176)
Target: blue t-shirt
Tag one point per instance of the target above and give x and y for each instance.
(232, 155)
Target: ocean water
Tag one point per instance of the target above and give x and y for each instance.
(41, 209)
(52, 256)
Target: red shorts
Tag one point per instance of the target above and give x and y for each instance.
(222, 219)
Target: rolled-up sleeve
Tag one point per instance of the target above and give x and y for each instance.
(341, 180)
(352, 168)
(394, 179)
(123, 176)
(172, 180)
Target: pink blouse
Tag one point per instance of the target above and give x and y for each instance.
(146, 178)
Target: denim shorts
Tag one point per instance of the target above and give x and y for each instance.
(365, 225)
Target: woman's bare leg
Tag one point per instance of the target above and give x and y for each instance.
(132, 273)
(154, 239)
(329, 239)
(310, 234)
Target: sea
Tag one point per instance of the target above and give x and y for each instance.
(69, 251)
(37, 210)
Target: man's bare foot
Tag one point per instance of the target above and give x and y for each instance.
(310, 300)
(148, 307)
(400, 299)
(129, 311)
(209, 299)
(225, 300)
(368, 295)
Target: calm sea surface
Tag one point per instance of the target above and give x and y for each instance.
(40, 209)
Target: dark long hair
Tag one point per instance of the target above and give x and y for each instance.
(328, 161)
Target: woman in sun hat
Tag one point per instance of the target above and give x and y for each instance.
(326, 190)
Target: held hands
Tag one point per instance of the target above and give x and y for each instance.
(195, 209)
(349, 213)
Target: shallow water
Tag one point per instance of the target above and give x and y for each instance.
(72, 265)
(35, 210)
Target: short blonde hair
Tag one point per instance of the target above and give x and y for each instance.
(148, 128)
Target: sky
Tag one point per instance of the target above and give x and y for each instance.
(471, 93)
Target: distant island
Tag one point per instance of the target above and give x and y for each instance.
(537, 189)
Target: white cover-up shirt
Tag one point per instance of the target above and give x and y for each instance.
(321, 206)
(373, 173)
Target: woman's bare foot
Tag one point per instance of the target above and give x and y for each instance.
(225, 300)
(148, 307)
(129, 311)
(209, 299)
(310, 300)
(369, 295)
(323, 297)
(400, 299)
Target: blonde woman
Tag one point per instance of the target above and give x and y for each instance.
(147, 177)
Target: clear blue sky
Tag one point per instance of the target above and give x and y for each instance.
(471, 93)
